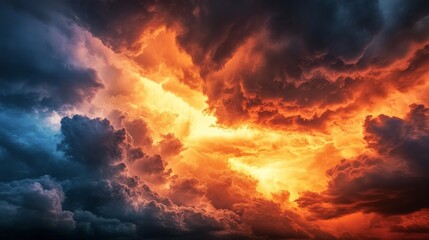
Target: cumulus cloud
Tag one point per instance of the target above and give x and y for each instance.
(187, 190)
(390, 180)
(28, 148)
(35, 72)
(301, 65)
(152, 168)
(33, 205)
(92, 142)
(170, 145)
(101, 199)
(106, 19)
(140, 132)
(127, 202)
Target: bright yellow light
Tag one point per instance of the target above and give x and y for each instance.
(278, 160)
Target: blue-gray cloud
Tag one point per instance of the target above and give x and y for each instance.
(35, 72)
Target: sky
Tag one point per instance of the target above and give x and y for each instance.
(214, 119)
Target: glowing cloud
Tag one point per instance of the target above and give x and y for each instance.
(214, 119)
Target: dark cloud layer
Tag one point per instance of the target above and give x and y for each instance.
(392, 180)
(100, 200)
(302, 63)
(34, 204)
(107, 19)
(28, 148)
(208, 37)
(92, 142)
(84, 190)
(35, 72)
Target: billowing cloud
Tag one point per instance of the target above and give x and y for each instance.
(92, 142)
(28, 148)
(33, 205)
(152, 168)
(139, 131)
(102, 200)
(286, 65)
(213, 119)
(187, 190)
(170, 145)
(391, 179)
(36, 72)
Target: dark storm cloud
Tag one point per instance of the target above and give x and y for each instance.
(392, 180)
(341, 28)
(28, 148)
(128, 204)
(92, 142)
(35, 72)
(98, 199)
(206, 36)
(405, 23)
(301, 56)
(313, 59)
(119, 24)
(87, 192)
(33, 203)
(32, 209)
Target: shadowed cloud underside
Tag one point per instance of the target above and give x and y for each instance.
(145, 119)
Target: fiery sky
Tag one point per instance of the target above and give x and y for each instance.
(216, 119)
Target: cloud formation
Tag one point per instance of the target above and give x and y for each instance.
(390, 180)
(36, 72)
(214, 119)
(102, 200)
(281, 64)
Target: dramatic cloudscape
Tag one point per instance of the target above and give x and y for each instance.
(214, 119)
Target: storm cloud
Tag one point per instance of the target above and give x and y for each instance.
(214, 119)
(391, 180)
(36, 72)
(302, 64)
(101, 200)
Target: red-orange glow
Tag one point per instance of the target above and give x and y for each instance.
(256, 120)
(162, 86)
